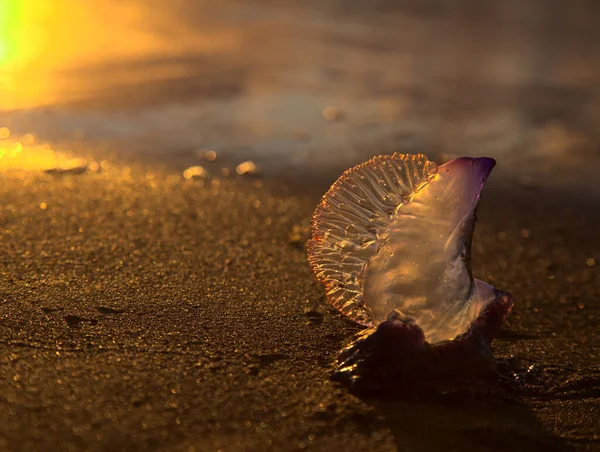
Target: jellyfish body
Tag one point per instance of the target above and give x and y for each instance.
(392, 242)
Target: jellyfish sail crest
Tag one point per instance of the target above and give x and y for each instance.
(352, 220)
(411, 252)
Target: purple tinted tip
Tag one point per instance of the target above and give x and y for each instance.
(483, 164)
(486, 164)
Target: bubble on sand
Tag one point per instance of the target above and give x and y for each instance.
(246, 168)
(195, 172)
(331, 113)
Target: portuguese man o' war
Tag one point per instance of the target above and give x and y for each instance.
(391, 242)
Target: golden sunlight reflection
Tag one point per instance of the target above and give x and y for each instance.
(41, 40)
(23, 154)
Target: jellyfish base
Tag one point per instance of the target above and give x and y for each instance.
(395, 359)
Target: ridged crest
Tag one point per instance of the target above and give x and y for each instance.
(355, 211)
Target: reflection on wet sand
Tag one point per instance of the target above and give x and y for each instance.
(22, 155)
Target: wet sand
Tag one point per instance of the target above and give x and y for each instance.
(144, 311)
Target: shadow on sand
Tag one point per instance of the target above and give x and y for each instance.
(462, 422)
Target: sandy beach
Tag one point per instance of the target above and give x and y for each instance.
(160, 314)
(143, 307)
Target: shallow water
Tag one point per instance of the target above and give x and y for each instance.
(308, 88)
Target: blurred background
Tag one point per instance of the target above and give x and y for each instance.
(302, 88)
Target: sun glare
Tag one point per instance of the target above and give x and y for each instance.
(41, 40)
(43, 44)
(24, 26)
(23, 31)
(7, 39)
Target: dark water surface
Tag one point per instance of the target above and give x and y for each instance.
(143, 308)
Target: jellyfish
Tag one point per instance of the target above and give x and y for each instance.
(391, 242)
